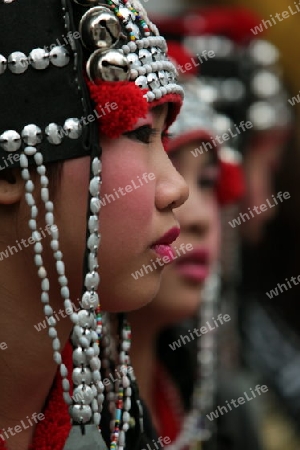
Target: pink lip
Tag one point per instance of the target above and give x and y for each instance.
(194, 266)
(163, 245)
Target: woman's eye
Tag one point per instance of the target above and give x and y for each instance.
(209, 181)
(142, 134)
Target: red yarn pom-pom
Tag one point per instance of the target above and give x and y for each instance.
(119, 104)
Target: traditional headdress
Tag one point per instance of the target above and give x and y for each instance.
(64, 54)
(200, 121)
(244, 67)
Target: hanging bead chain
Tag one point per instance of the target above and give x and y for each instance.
(194, 428)
(123, 400)
(88, 380)
(125, 359)
(208, 349)
(129, 381)
(88, 395)
(38, 248)
(125, 366)
(116, 410)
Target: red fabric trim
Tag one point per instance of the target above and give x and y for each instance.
(127, 106)
(231, 185)
(175, 103)
(129, 101)
(189, 136)
(168, 405)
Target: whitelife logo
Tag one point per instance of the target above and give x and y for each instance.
(292, 101)
(162, 261)
(199, 332)
(274, 292)
(259, 209)
(23, 426)
(241, 401)
(279, 17)
(223, 138)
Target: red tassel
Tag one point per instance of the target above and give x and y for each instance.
(231, 186)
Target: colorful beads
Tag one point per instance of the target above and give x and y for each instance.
(143, 24)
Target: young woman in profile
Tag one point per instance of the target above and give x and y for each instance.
(54, 184)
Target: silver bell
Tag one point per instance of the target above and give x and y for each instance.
(110, 65)
(99, 28)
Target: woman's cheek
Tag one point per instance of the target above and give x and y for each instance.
(128, 219)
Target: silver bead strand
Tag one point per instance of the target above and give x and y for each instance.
(60, 268)
(38, 248)
(85, 338)
(127, 391)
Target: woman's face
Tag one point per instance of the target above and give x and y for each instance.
(262, 161)
(140, 188)
(179, 294)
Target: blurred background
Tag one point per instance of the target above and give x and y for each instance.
(263, 254)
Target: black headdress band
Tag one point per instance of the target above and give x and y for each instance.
(41, 65)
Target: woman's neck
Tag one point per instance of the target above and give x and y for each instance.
(26, 360)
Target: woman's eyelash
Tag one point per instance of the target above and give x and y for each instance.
(209, 180)
(143, 134)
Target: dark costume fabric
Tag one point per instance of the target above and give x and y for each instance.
(52, 432)
(236, 430)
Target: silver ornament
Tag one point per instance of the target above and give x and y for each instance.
(99, 28)
(111, 65)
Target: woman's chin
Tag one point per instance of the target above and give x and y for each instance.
(130, 296)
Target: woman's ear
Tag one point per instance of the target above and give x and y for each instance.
(11, 186)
